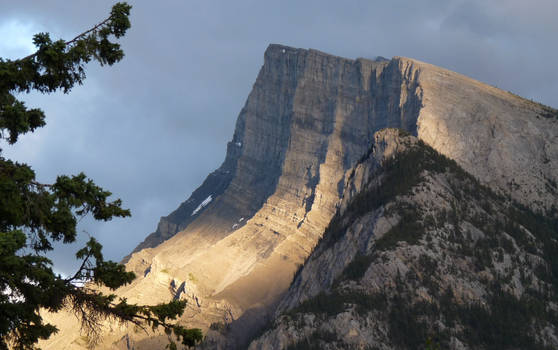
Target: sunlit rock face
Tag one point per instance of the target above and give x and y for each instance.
(506, 141)
(237, 241)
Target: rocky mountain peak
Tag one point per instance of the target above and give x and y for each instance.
(292, 166)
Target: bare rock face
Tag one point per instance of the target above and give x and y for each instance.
(237, 241)
(506, 141)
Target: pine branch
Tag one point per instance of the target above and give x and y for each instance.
(76, 38)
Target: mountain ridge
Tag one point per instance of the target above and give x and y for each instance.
(306, 123)
(420, 256)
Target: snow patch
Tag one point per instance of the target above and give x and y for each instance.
(239, 144)
(203, 204)
(241, 219)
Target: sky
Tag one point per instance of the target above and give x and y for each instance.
(151, 127)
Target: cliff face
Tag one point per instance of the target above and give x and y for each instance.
(303, 100)
(493, 134)
(234, 245)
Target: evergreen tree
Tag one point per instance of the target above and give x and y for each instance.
(34, 215)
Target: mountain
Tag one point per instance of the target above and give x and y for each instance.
(233, 247)
(422, 254)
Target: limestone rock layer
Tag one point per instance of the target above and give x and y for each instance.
(235, 244)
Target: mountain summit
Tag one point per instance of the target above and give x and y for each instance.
(233, 246)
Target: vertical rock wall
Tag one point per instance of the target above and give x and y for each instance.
(308, 119)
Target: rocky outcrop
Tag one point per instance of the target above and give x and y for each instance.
(421, 255)
(239, 238)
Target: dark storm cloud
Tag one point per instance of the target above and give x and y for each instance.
(153, 126)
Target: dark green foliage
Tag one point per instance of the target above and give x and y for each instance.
(483, 253)
(504, 326)
(408, 229)
(188, 337)
(405, 328)
(56, 65)
(314, 341)
(34, 215)
(427, 265)
(356, 268)
(504, 323)
(330, 304)
(545, 229)
(338, 302)
(367, 302)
